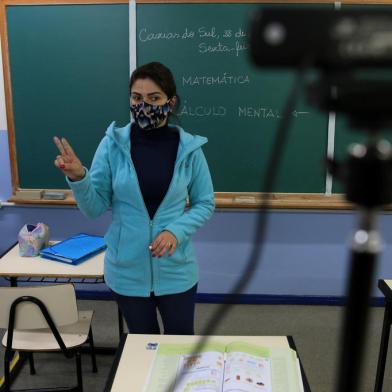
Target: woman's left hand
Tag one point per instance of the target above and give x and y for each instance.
(165, 242)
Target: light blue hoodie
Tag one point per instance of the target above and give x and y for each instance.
(112, 181)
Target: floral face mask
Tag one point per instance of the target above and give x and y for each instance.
(150, 116)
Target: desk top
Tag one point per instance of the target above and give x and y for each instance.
(136, 358)
(388, 282)
(385, 286)
(13, 265)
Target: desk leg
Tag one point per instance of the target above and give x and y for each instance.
(383, 346)
(120, 323)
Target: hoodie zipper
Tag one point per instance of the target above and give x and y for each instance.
(150, 222)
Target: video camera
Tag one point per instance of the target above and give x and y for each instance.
(346, 45)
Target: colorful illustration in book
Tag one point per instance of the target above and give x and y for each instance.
(204, 372)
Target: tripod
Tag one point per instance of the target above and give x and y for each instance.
(367, 177)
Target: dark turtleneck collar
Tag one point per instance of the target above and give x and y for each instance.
(165, 132)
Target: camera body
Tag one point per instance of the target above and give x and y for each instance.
(334, 40)
(346, 46)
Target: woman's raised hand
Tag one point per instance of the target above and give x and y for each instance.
(67, 161)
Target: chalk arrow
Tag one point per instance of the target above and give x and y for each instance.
(296, 114)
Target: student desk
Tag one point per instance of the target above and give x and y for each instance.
(132, 363)
(37, 269)
(13, 266)
(386, 288)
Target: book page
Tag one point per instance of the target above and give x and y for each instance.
(200, 372)
(161, 375)
(178, 368)
(252, 368)
(285, 373)
(247, 373)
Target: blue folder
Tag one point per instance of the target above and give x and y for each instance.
(75, 249)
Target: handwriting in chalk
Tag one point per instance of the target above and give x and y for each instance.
(208, 32)
(210, 40)
(264, 113)
(225, 79)
(236, 49)
(202, 111)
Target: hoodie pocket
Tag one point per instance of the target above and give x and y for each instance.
(132, 248)
(112, 239)
(180, 256)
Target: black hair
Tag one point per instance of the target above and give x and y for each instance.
(159, 74)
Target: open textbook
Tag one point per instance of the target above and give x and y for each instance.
(238, 366)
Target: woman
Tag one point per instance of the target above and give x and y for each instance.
(145, 171)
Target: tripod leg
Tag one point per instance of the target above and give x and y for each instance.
(383, 347)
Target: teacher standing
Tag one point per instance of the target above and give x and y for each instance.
(146, 171)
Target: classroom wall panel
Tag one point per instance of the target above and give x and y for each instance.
(305, 254)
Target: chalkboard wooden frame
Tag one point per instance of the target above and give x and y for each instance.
(223, 199)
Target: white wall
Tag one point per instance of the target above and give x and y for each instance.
(3, 119)
(5, 171)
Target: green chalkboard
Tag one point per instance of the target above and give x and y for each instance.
(70, 68)
(228, 100)
(69, 72)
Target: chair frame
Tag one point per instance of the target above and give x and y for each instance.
(68, 352)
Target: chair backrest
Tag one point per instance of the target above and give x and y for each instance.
(60, 301)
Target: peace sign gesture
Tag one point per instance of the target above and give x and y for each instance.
(67, 161)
